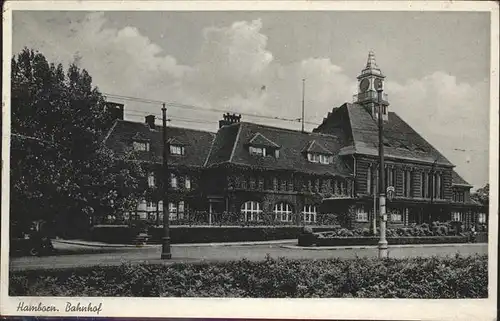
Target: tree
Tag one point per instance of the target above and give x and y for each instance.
(482, 195)
(60, 171)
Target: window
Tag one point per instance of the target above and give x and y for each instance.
(392, 176)
(456, 216)
(481, 218)
(458, 196)
(187, 183)
(361, 215)
(251, 211)
(172, 211)
(151, 179)
(342, 188)
(176, 150)
(437, 186)
(309, 213)
(369, 180)
(277, 153)
(259, 151)
(423, 184)
(396, 215)
(313, 158)
(430, 184)
(173, 181)
(319, 158)
(283, 212)
(141, 146)
(407, 183)
(275, 183)
(176, 210)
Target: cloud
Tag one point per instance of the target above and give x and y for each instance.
(453, 116)
(236, 70)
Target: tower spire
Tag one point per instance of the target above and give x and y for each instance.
(371, 66)
(371, 63)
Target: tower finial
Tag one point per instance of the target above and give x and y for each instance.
(371, 63)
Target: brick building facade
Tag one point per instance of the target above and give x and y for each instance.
(258, 174)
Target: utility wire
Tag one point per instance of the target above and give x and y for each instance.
(188, 106)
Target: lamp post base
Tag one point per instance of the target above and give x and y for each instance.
(382, 249)
(166, 256)
(165, 250)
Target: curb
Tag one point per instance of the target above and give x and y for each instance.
(374, 247)
(116, 246)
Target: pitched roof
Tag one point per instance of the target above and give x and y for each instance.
(315, 147)
(260, 140)
(400, 139)
(291, 155)
(457, 180)
(197, 142)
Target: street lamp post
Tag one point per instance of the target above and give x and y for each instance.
(165, 249)
(382, 244)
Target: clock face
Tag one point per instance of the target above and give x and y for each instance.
(364, 84)
(378, 84)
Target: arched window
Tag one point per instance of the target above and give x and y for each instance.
(309, 213)
(251, 211)
(283, 212)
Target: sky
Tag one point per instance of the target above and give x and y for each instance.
(437, 66)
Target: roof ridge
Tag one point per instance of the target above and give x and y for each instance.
(210, 151)
(235, 143)
(109, 132)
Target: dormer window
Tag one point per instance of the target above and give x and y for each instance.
(319, 158)
(259, 145)
(141, 146)
(176, 150)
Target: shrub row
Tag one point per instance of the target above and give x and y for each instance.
(372, 240)
(435, 229)
(425, 278)
(198, 234)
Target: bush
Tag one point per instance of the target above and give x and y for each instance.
(424, 278)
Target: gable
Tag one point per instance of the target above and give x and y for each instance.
(316, 147)
(260, 140)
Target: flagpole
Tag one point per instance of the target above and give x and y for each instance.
(303, 96)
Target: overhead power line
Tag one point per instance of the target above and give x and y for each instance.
(206, 109)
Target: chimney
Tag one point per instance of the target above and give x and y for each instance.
(228, 119)
(115, 110)
(150, 120)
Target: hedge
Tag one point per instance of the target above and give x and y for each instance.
(425, 278)
(123, 234)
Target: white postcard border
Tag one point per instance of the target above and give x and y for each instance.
(477, 309)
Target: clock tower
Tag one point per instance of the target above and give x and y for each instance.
(369, 81)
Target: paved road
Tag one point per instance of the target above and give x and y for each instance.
(78, 256)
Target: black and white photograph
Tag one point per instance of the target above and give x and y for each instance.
(302, 152)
